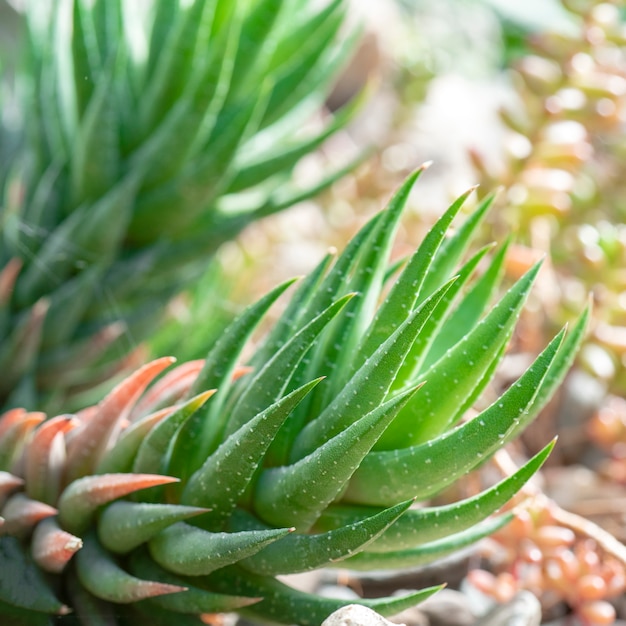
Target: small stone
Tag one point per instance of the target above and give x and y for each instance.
(523, 610)
(355, 615)
(448, 608)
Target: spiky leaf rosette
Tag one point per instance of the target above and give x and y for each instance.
(153, 132)
(167, 501)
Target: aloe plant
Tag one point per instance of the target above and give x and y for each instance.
(148, 139)
(168, 500)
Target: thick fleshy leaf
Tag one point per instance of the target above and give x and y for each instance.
(194, 599)
(217, 373)
(190, 551)
(22, 583)
(421, 471)
(469, 311)
(89, 443)
(8, 484)
(81, 498)
(425, 553)
(22, 513)
(226, 473)
(426, 524)
(105, 579)
(452, 249)
(283, 604)
(13, 440)
(52, 548)
(270, 382)
(125, 525)
(436, 411)
(121, 456)
(359, 396)
(300, 492)
(153, 451)
(41, 467)
(302, 553)
(405, 291)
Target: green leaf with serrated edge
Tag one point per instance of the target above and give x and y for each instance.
(194, 600)
(420, 471)
(300, 492)
(359, 395)
(303, 553)
(459, 371)
(270, 382)
(422, 525)
(226, 473)
(413, 362)
(404, 292)
(452, 249)
(22, 583)
(100, 574)
(469, 311)
(426, 553)
(191, 551)
(285, 605)
(153, 451)
(336, 350)
(14, 616)
(125, 525)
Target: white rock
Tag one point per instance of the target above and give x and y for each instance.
(355, 615)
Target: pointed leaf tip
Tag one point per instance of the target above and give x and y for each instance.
(80, 499)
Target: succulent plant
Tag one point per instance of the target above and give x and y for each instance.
(151, 133)
(167, 498)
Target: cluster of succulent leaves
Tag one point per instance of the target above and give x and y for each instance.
(166, 500)
(151, 133)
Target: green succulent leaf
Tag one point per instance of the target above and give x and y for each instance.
(125, 525)
(270, 382)
(481, 348)
(301, 553)
(193, 599)
(381, 479)
(190, 551)
(301, 491)
(427, 552)
(406, 289)
(22, 584)
(153, 452)
(225, 475)
(286, 605)
(359, 396)
(101, 576)
(425, 524)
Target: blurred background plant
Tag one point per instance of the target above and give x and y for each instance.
(130, 155)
